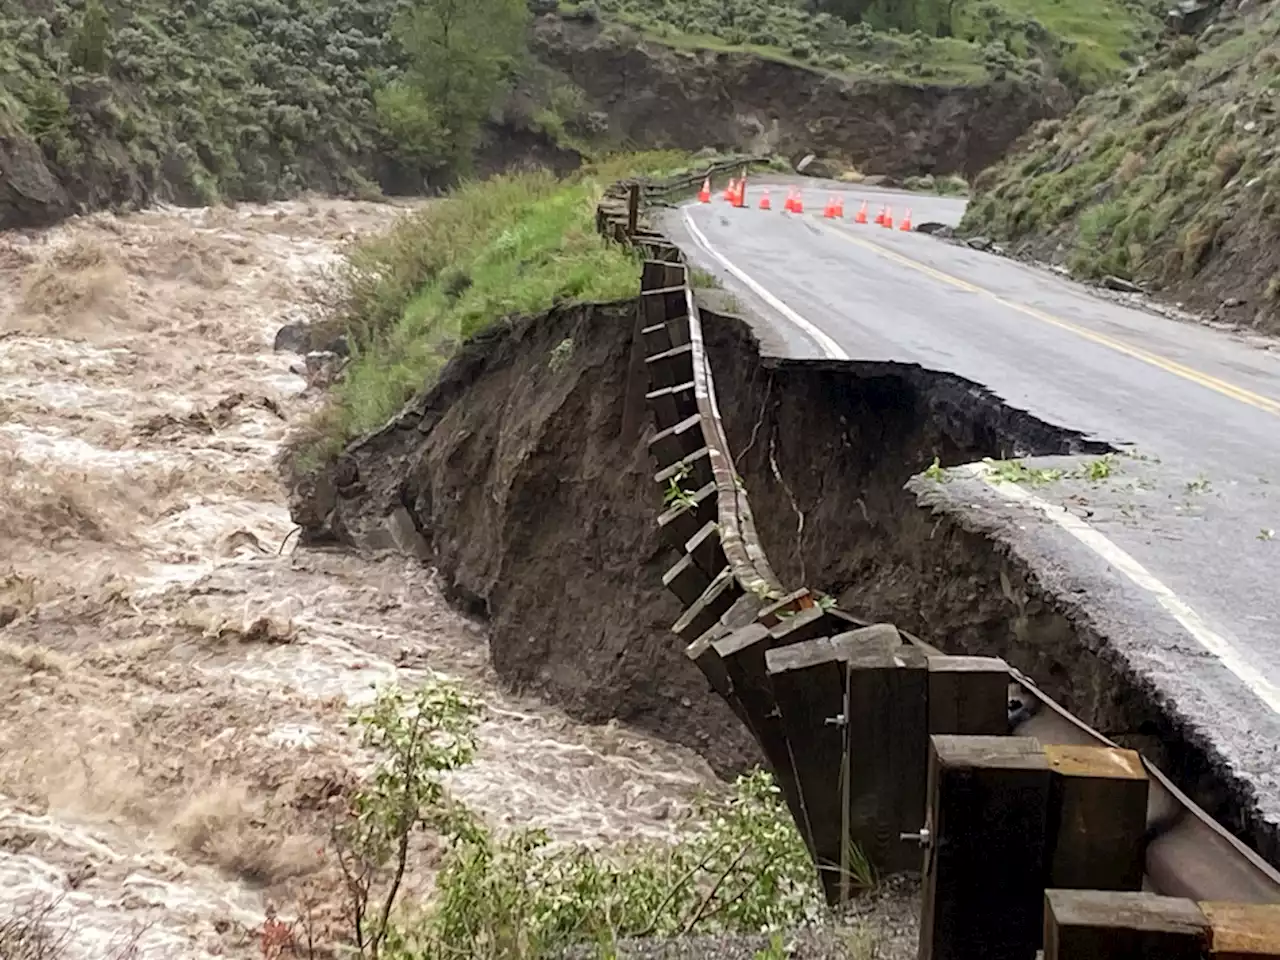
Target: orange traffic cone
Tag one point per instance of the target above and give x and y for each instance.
(789, 205)
(729, 189)
(764, 200)
(862, 213)
(740, 200)
(880, 217)
(704, 195)
(838, 209)
(829, 211)
(798, 205)
(888, 218)
(906, 221)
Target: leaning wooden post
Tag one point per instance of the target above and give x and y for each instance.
(633, 208)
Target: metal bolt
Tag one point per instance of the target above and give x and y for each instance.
(837, 721)
(921, 836)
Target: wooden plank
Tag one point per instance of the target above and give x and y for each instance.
(984, 875)
(661, 275)
(715, 601)
(692, 473)
(807, 680)
(1098, 816)
(968, 696)
(1243, 931)
(706, 549)
(887, 753)
(743, 653)
(773, 614)
(670, 367)
(1112, 925)
(683, 519)
(633, 208)
(672, 404)
(677, 441)
(686, 581)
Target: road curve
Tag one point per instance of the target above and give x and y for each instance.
(1183, 537)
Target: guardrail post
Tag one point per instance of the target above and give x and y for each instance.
(1106, 925)
(1009, 818)
(1099, 813)
(984, 838)
(886, 710)
(633, 208)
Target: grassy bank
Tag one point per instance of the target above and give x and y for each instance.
(506, 247)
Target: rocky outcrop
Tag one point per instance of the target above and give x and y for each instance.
(665, 97)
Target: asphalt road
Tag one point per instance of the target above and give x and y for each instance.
(1180, 546)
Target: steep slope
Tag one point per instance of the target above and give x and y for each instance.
(685, 96)
(1171, 179)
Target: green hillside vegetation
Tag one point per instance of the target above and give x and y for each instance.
(1082, 42)
(1173, 180)
(253, 99)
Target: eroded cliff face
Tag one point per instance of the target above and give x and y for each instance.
(660, 96)
(540, 511)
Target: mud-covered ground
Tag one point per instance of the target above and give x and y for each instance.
(174, 676)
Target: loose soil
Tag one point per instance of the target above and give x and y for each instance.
(175, 675)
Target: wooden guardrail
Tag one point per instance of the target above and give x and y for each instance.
(890, 755)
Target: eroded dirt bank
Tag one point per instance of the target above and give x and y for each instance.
(540, 512)
(174, 676)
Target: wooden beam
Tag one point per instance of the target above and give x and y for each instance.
(886, 714)
(984, 871)
(807, 680)
(1112, 925)
(743, 655)
(969, 696)
(1243, 931)
(1099, 814)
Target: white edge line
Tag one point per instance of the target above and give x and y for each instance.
(1206, 636)
(829, 348)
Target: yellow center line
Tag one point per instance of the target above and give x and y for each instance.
(1206, 380)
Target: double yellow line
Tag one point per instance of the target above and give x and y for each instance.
(1257, 400)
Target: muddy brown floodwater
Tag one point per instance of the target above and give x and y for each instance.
(174, 678)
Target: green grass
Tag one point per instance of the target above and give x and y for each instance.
(1083, 42)
(490, 251)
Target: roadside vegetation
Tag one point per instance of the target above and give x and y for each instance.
(1172, 180)
(740, 866)
(506, 247)
(1084, 43)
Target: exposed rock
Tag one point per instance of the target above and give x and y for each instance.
(979, 243)
(293, 338)
(934, 229)
(1120, 285)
